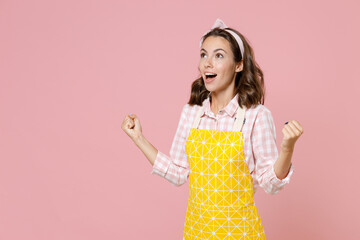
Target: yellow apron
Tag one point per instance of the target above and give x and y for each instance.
(221, 198)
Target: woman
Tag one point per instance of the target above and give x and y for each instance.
(225, 142)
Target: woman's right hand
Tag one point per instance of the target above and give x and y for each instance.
(132, 127)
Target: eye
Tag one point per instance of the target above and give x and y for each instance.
(219, 54)
(202, 54)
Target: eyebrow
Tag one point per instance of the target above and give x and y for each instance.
(214, 50)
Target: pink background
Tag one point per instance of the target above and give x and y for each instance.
(71, 70)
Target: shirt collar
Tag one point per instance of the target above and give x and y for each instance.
(230, 109)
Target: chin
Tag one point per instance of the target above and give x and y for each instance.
(210, 88)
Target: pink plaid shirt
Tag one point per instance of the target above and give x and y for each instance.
(259, 137)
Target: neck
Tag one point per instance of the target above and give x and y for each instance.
(219, 101)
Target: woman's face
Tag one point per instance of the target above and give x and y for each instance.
(217, 59)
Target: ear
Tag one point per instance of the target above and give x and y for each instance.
(239, 66)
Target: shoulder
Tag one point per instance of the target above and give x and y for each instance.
(189, 110)
(259, 115)
(188, 114)
(264, 110)
(258, 111)
(260, 108)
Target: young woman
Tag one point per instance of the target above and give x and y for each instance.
(225, 143)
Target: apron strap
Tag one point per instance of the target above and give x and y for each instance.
(197, 117)
(239, 119)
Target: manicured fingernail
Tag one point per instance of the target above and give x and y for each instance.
(286, 123)
(130, 114)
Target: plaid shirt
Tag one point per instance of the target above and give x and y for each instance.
(259, 138)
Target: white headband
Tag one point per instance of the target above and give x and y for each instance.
(220, 24)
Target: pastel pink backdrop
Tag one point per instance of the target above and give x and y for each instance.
(71, 70)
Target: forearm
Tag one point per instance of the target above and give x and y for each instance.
(147, 148)
(283, 163)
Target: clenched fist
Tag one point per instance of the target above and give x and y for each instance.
(131, 126)
(292, 131)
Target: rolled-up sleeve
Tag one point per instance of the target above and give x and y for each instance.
(175, 168)
(266, 153)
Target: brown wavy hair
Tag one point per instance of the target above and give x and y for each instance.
(249, 83)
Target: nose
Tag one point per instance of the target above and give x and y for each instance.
(207, 62)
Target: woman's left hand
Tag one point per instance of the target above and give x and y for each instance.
(292, 131)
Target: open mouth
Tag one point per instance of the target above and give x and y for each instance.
(210, 75)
